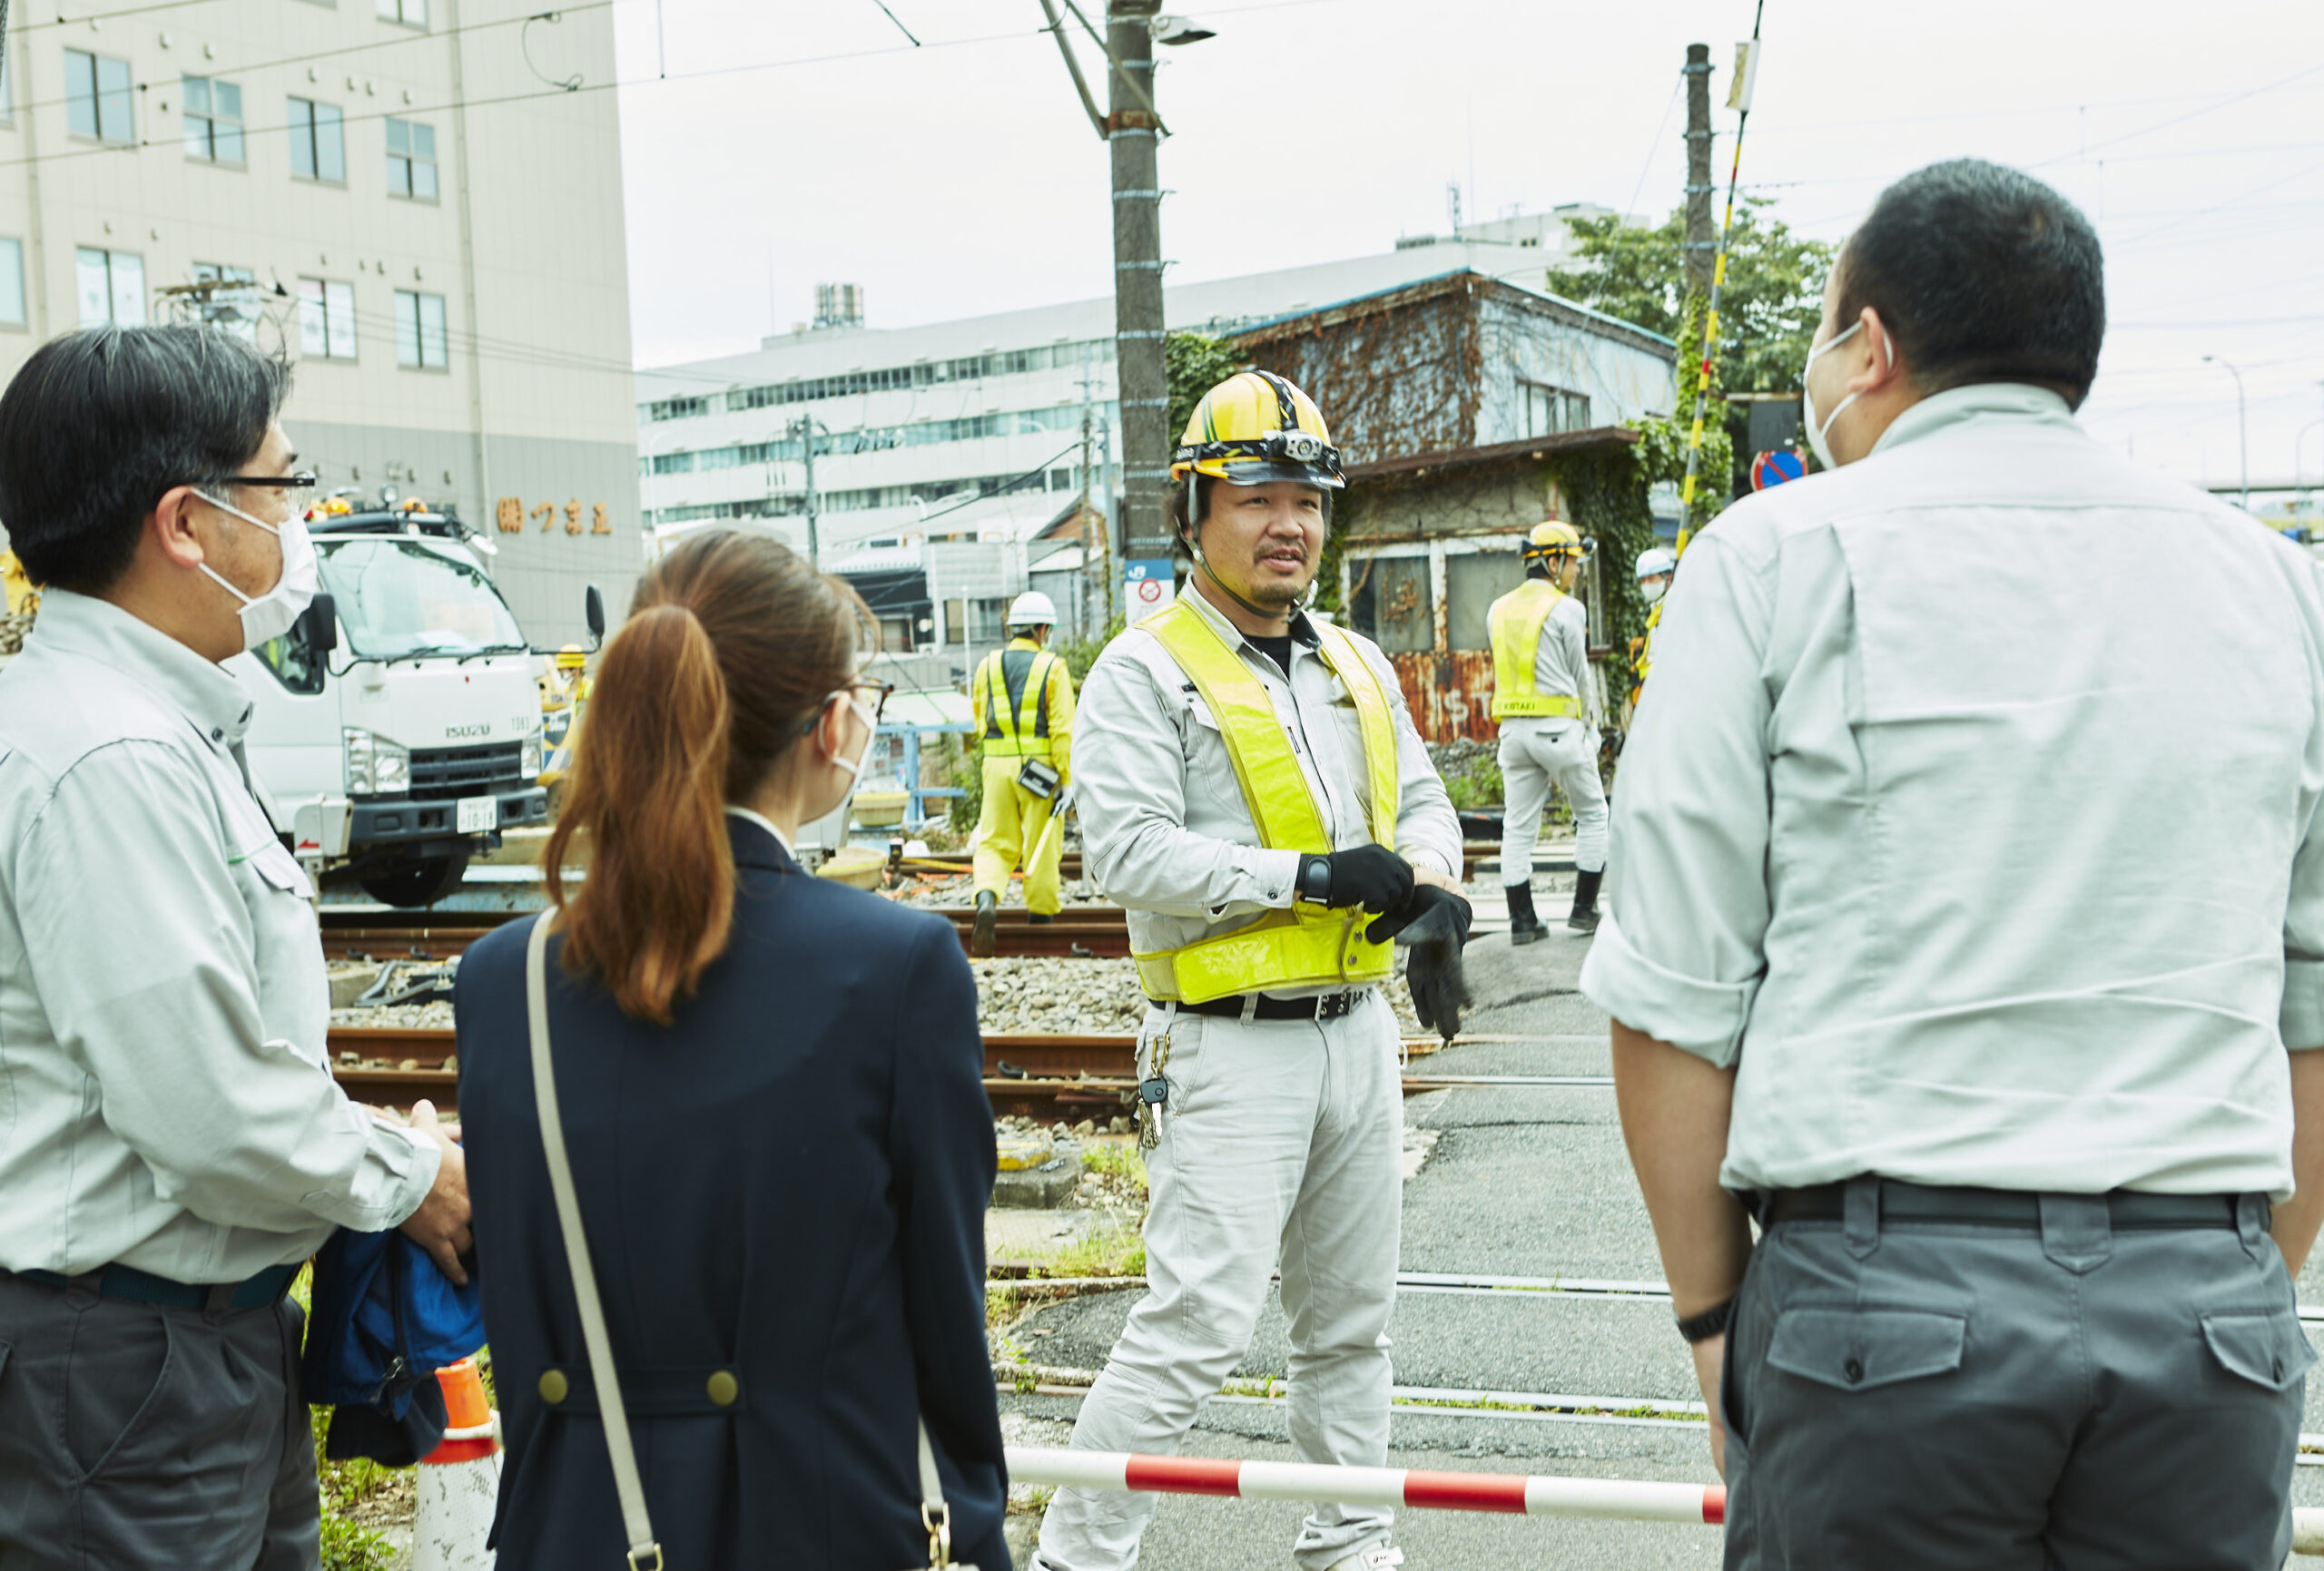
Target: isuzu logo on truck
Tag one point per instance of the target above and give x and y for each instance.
(454, 731)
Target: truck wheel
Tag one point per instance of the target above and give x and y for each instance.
(417, 881)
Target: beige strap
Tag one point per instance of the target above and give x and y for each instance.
(645, 1554)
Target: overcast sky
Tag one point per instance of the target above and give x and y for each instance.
(961, 178)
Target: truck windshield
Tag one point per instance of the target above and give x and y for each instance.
(400, 598)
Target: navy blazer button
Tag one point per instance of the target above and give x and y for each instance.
(724, 1387)
(1853, 1369)
(554, 1387)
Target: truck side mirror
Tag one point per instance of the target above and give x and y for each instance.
(318, 626)
(592, 608)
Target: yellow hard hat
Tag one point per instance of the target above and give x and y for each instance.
(572, 657)
(1553, 537)
(1254, 428)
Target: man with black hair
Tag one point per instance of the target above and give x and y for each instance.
(1973, 893)
(1255, 796)
(175, 1146)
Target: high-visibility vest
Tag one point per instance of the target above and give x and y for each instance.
(1306, 945)
(1516, 622)
(1016, 722)
(1643, 651)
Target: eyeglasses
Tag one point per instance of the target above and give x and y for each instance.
(298, 490)
(879, 690)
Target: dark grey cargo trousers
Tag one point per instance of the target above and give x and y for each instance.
(134, 1438)
(1903, 1394)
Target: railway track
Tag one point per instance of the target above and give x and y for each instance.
(1035, 1074)
(1084, 931)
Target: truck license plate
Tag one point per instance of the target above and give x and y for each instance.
(478, 815)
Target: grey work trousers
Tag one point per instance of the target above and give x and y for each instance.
(1906, 1394)
(1534, 753)
(134, 1437)
(1281, 1140)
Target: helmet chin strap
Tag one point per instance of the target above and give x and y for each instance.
(1269, 613)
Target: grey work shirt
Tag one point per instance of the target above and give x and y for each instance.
(1560, 668)
(1974, 818)
(162, 997)
(1165, 827)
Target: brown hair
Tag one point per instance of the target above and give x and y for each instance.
(732, 646)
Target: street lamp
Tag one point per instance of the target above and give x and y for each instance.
(2242, 442)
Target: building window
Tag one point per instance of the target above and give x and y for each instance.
(411, 12)
(1549, 410)
(213, 120)
(113, 287)
(419, 330)
(318, 143)
(97, 96)
(326, 319)
(411, 160)
(11, 283)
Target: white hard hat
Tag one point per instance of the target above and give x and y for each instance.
(1032, 609)
(1657, 560)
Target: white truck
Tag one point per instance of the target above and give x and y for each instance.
(398, 725)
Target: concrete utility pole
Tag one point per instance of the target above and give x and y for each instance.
(1132, 130)
(803, 428)
(1701, 244)
(2242, 436)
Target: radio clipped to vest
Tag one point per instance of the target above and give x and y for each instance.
(1039, 777)
(1304, 946)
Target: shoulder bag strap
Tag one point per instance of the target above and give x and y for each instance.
(645, 1554)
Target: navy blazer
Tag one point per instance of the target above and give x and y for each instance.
(788, 1183)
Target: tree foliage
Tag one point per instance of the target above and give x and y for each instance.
(1768, 307)
(1196, 364)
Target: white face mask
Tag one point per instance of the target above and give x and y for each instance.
(1651, 590)
(1817, 429)
(273, 614)
(854, 767)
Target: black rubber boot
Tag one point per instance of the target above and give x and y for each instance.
(1524, 926)
(1584, 916)
(981, 936)
(1041, 919)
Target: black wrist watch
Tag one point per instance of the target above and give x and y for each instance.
(1711, 1323)
(1313, 885)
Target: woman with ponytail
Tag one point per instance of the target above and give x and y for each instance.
(771, 1091)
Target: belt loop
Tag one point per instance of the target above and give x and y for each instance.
(2252, 1216)
(1250, 1008)
(1861, 1214)
(2077, 1233)
(219, 1299)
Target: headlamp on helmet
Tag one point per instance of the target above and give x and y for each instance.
(1255, 427)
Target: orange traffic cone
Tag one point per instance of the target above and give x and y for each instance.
(459, 1479)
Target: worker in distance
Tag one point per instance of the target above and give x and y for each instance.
(1545, 700)
(1022, 696)
(1255, 796)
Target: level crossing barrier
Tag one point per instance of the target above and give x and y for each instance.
(1511, 1494)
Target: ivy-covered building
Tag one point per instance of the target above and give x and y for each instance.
(1469, 408)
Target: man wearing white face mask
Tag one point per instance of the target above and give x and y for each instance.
(175, 1146)
(1930, 957)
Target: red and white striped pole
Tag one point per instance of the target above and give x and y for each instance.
(1515, 1494)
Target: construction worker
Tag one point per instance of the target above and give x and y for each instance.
(1255, 795)
(565, 692)
(1656, 566)
(1024, 696)
(1546, 704)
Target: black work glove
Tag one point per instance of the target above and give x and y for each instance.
(1372, 877)
(1435, 931)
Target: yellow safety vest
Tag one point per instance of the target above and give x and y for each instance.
(1642, 650)
(1516, 619)
(1306, 945)
(1021, 729)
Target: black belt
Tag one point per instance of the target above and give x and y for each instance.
(127, 1282)
(1901, 1201)
(1322, 1006)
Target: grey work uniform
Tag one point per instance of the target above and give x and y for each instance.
(1973, 822)
(1279, 1142)
(171, 1121)
(1537, 749)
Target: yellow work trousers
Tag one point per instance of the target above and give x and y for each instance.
(1011, 827)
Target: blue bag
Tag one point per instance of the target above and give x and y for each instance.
(384, 1318)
